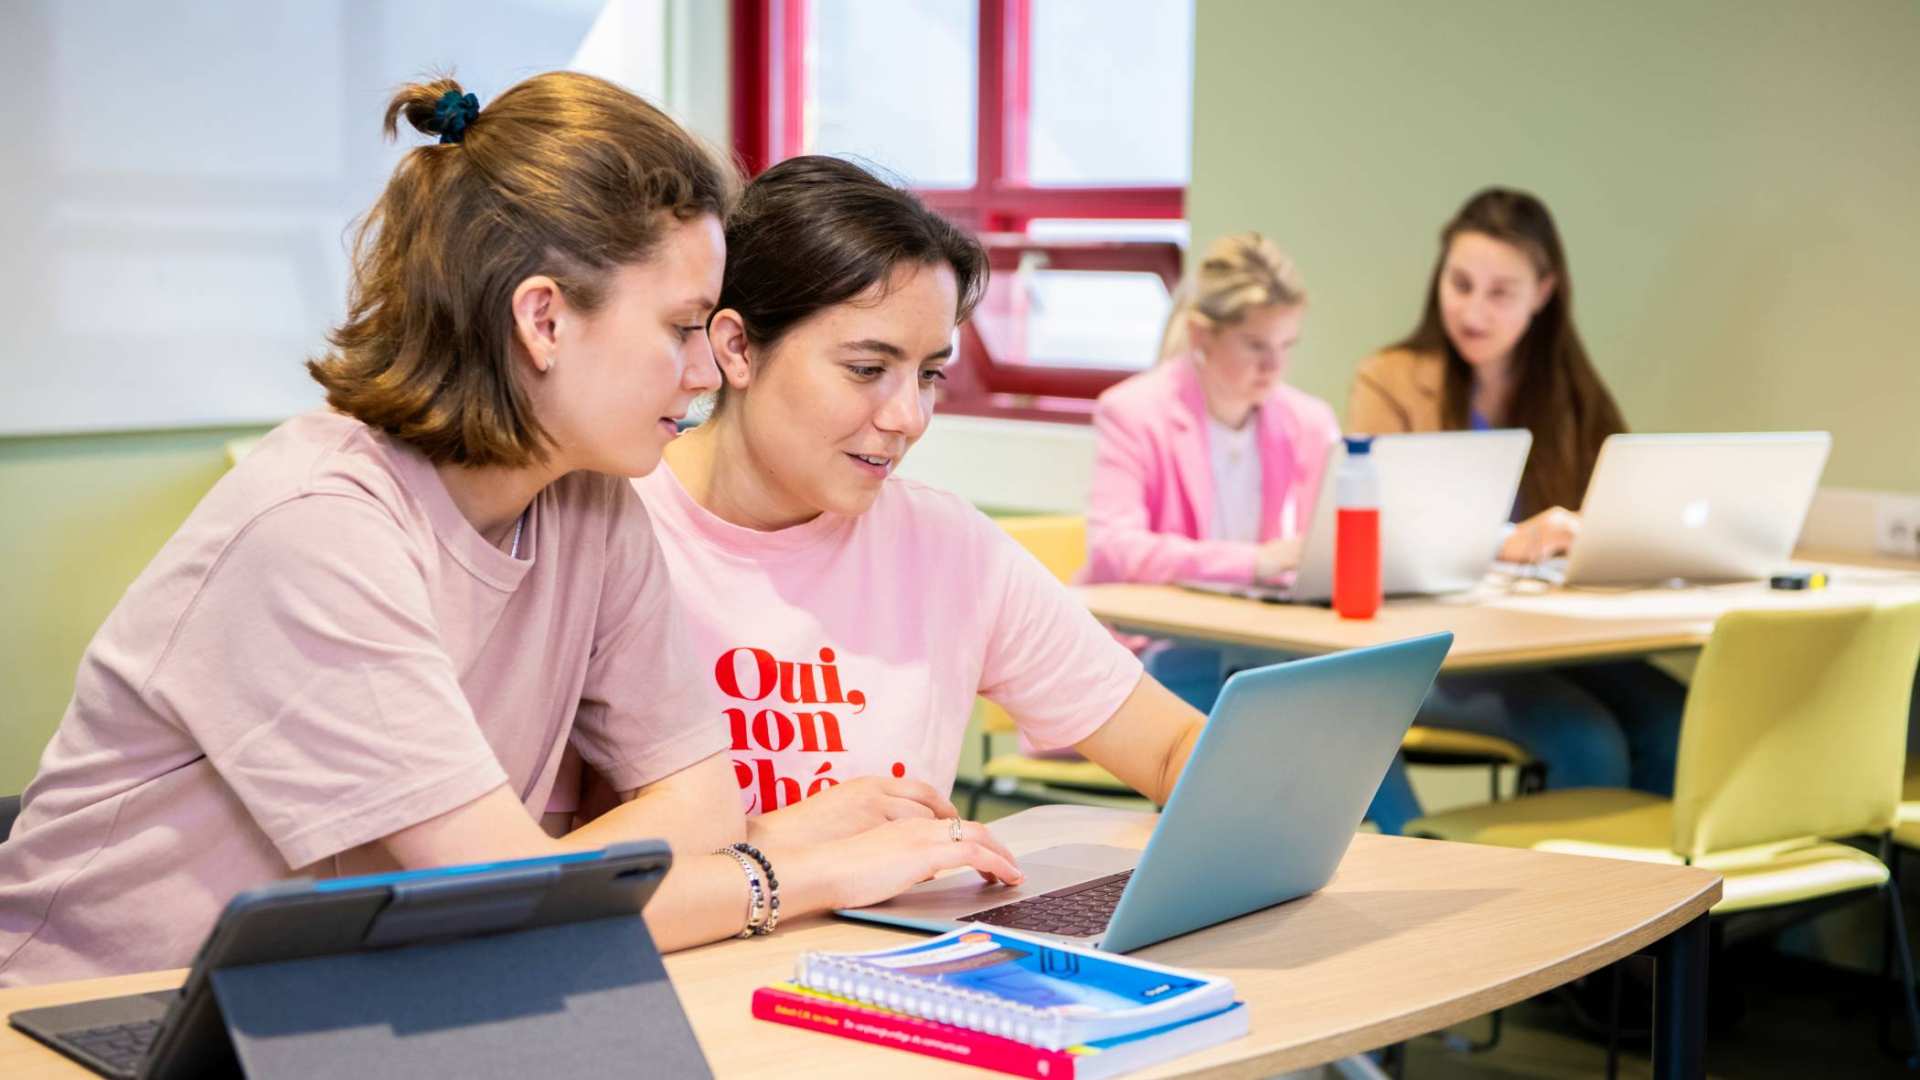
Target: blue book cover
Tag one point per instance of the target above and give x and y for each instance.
(1028, 988)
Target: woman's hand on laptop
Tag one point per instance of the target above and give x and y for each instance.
(849, 809)
(1276, 558)
(1543, 536)
(885, 861)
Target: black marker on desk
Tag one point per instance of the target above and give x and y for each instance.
(1800, 580)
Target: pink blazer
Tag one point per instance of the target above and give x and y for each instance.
(1152, 494)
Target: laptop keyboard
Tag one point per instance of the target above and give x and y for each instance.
(1076, 911)
(121, 1046)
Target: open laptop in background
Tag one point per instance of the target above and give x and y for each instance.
(1445, 499)
(1695, 507)
(1264, 811)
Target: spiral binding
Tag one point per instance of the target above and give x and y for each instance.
(849, 978)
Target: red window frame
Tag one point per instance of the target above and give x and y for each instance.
(769, 96)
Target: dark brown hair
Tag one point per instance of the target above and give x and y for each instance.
(815, 231)
(1558, 395)
(564, 175)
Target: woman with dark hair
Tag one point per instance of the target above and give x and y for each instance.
(1496, 347)
(846, 618)
(370, 645)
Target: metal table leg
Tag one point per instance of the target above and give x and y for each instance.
(1680, 1003)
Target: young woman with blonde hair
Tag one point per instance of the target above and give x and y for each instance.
(1206, 467)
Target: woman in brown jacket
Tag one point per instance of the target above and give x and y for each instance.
(1496, 347)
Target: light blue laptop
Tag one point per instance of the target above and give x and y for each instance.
(1269, 801)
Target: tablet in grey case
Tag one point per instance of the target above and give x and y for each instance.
(527, 968)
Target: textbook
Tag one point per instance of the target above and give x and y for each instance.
(1028, 989)
(813, 1010)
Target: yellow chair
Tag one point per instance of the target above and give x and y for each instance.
(1794, 733)
(1060, 543)
(1426, 745)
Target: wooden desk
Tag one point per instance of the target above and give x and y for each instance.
(1503, 624)
(1410, 936)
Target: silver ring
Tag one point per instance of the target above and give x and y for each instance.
(953, 829)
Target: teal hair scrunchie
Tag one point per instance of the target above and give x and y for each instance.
(452, 116)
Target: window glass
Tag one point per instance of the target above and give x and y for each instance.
(892, 83)
(1054, 230)
(1074, 318)
(162, 154)
(1089, 127)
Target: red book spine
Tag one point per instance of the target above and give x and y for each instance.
(928, 1037)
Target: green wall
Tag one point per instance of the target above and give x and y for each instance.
(83, 515)
(1737, 183)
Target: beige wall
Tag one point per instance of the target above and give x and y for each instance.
(1737, 182)
(83, 515)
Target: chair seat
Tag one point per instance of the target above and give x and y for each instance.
(1618, 824)
(1064, 772)
(1438, 742)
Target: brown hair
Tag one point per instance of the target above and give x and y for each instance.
(564, 175)
(1237, 274)
(815, 231)
(1558, 396)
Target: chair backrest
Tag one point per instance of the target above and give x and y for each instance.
(9, 809)
(1795, 727)
(1059, 541)
(995, 720)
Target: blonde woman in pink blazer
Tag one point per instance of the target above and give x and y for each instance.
(1207, 466)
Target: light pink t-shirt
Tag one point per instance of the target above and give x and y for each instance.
(854, 646)
(324, 654)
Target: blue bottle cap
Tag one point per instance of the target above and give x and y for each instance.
(1359, 444)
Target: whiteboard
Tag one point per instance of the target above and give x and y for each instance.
(179, 183)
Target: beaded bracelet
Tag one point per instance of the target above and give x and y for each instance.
(756, 899)
(773, 885)
(756, 893)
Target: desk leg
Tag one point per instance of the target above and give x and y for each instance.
(1680, 1003)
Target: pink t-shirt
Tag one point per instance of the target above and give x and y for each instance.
(855, 646)
(324, 654)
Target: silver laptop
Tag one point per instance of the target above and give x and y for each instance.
(1264, 811)
(1445, 500)
(1695, 507)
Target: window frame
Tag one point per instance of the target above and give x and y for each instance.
(769, 98)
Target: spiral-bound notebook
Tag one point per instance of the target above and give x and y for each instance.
(813, 1010)
(1030, 989)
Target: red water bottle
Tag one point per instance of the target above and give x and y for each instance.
(1356, 532)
